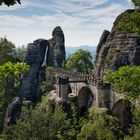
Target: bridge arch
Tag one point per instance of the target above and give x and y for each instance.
(122, 110)
(85, 100)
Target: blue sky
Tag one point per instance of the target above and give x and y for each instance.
(82, 21)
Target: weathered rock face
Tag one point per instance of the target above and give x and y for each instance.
(13, 112)
(117, 49)
(56, 48)
(34, 58)
(101, 52)
(39, 54)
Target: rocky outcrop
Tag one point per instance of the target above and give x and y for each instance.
(30, 80)
(101, 52)
(52, 51)
(13, 112)
(56, 48)
(116, 49)
(40, 53)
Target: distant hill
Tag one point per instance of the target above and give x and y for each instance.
(71, 50)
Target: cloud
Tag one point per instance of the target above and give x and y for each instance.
(66, 21)
(81, 20)
(57, 5)
(130, 1)
(105, 11)
(76, 5)
(10, 21)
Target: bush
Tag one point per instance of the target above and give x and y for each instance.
(100, 126)
(46, 122)
(130, 23)
(135, 128)
(48, 84)
(126, 81)
(10, 76)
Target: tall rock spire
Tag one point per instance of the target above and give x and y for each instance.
(56, 52)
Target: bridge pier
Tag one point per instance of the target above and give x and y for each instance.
(104, 95)
(63, 88)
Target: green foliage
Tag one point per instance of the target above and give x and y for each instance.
(136, 3)
(100, 126)
(81, 61)
(6, 51)
(135, 129)
(20, 53)
(126, 80)
(130, 23)
(48, 84)
(9, 2)
(46, 122)
(10, 70)
(136, 124)
(63, 64)
(10, 76)
(72, 126)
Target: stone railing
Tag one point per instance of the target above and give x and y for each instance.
(76, 76)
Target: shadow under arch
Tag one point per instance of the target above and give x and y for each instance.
(69, 89)
(122, 110)
(85, 100)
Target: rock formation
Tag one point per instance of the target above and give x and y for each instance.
(52, 51)
(116, 49)
(39, 54)
(30, 80)
(56, 48)
(13, 112)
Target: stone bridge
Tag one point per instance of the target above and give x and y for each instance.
(87, 90)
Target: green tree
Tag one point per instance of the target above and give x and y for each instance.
(136, 4)
(100, 126)
(130, 23)
(126, 81)
(72, 126)
(46, 122)
(10, 76)
(20, 53)
(135, 129)
(9, 2)
(81, 61)
(49, 82)
(7, 50)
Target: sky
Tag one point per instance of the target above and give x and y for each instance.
(82, 21)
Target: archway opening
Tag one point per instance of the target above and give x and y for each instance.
(122, 110)
(85, 100)
(69, 89)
